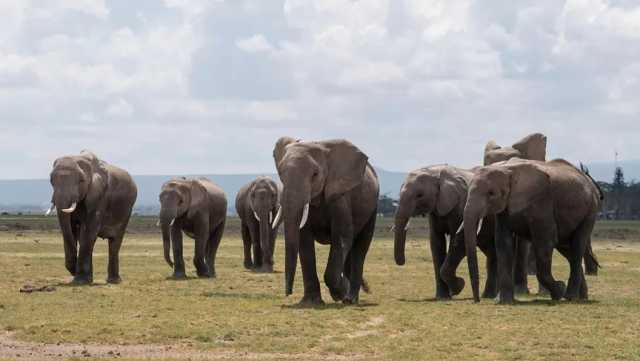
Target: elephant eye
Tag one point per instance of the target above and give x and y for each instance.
(491, 194)
(419, 195)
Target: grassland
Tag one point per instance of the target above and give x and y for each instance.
(244, 315)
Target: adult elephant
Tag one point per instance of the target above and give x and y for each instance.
(94, 199)
(197, 207)
(551, 203)
(440, 192)
(330, 194)
(257, 204)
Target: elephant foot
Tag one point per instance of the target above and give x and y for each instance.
(456, 286)
(82, 280)
(351, 300)
(248, 265)
(521, 289)
(543, 291)
(505, 298)
(207, 275)
(490, 293)
(311, 300)
(114, 280)
(179, 275)
(559, 291)
(265, 268)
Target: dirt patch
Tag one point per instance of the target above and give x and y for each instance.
(12, 348)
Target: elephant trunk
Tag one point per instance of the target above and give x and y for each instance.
(471, 220)
(400, 236)
(293, 215)
(70, 242)
(167, 217)
(265, 239)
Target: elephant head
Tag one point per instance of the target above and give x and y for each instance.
(78, 180)
(436, 189)
(533, 146)
(312, 172)
(505, 187)
(179, 197)
(264, 200)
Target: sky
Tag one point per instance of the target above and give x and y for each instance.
(195, 87)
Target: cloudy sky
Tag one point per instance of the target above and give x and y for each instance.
(179, 86)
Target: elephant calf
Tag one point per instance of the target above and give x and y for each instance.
(441, 192)
(258, 206)
(94, 199)
(199, 208)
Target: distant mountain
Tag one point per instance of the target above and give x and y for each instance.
(34, 195)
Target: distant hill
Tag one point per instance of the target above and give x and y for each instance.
(34, 195)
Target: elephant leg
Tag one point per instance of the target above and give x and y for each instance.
(521, 285)
(491, 285)
(590, 261)
(212, 248)
(307, 254)
(84, 267)
(577, 287)
(246, 243)
(448, 269)
(358, 254)
(113, 270)
(438, 246)
(70, 240)
(255, 242)
(504, 254)
(333, 277)
(178, 259)
(543, 240)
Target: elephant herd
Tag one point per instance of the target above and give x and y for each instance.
(515, 203)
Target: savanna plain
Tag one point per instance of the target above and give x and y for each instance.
(244, 315)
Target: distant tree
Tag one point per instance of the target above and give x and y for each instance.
(618, 180)
(386, 205)
(619, 188)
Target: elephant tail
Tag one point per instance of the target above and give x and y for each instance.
(365, 286)
(585, 170)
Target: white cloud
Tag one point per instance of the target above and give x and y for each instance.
(254, 44)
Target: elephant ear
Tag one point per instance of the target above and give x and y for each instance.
(529, 184)
(97, 178)
(279, 148)
(198, 197)
(491, 146)
(346, 166)
(533, 146)
(452, 192)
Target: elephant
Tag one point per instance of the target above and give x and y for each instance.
(93, 199)
(258, 206)
(197, 207)
(552, 203)
(440, 192)
(330, 194)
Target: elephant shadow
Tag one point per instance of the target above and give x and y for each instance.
(549, 302)
(434, 300)
(330, 306)
(248, 296)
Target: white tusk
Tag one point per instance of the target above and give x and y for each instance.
(406, 227)
(479, 226)
(393, 228)
(460, 228)
(50, 210)
(172, 222)
(256, 215)
(70, 209)
(270, 217)
(274, 224)
(305, 215)
(158, 223)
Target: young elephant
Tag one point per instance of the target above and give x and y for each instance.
(440, 192)
(199, 208)
(552, 203)
(94, 199)
(257, 204)
(330, 194)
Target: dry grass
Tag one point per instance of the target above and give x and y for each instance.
(244, 315)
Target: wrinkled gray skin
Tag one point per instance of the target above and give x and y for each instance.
(440, 193)
(257, 204)
(104, 196)
(341, 188)
(197, 207)
(551, 203)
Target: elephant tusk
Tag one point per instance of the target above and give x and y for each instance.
(50, 210)
(460, 228)
(172, 222)
(270, 217)
(158, 223)
(479, 226)
(256, 216)
(393, 228)
(305, 215)
(70, 209)
(274, 224)
(406, 227)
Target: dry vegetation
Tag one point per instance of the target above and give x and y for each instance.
(243, 315)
